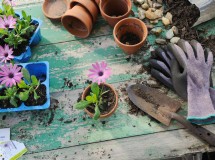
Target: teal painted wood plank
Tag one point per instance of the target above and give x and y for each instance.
(62, 126)
(72, 60)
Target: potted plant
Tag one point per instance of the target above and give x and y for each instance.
(24, 86)
(18, 31)
(130, 34)
(99, 99)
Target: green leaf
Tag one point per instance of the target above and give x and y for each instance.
(34, 80)
(3, 97)
(92, 99)
(13, 101)
(23, 85)
(35, 95)
(95, 89)
(97, 113)
(24, 14)
(82, 104)
(26, 75)
(23, 96)
(3, 31)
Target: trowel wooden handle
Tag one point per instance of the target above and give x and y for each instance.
(196, 130)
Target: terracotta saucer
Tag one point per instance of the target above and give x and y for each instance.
(54, 9)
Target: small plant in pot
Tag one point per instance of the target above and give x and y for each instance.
(18, 31)
(99, 99)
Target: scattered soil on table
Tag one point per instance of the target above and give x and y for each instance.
(129, 38)
(109, 100)
(133, 108)
(4, 104)
(41, 91)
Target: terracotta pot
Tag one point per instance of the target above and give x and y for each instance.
(55, 9)
(115, 10)
(130, 26)
(89, 5)
(78, 21)
(84, 94)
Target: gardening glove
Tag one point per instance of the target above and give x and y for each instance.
(161, 67)
(198, 67)
(176, 80)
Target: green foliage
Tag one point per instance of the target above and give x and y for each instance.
(95, 99)
(82, 104)
(21, 32)
(7, 10)
(95, 89)
(14, 40)
(28, 87)
(11, 94)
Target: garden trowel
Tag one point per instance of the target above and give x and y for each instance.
(163, 108)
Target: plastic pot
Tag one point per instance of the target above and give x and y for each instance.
(78, 21)
(54, 9)
(89, 5)
(84, 94)
(115, 10)
(130, 27)
(41, 71)
(34, 40)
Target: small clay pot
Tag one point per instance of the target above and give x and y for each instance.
(84, 94)
(130, 34)
(54, 9)
(115, 10)
(78, 21)
(89, 5)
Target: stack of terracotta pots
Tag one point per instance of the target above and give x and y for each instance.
(78, 18)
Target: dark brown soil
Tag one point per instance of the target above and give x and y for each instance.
(6, 103)
(108, 100)
(185, 15)
(41, 91)
(210, 43)
(133, 108)
(129, 38)
(148, 98)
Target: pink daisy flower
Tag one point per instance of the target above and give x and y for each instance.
(100, 72)
(8, 22)
(10, 75)
(6, 54)
(9, 2)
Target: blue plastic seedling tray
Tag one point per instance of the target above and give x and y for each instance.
(41, 71)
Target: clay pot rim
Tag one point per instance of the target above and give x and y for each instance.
(76, 16)
(54, 18)
(136, 19)
(111, 111)
(76, 2)
(128, 12)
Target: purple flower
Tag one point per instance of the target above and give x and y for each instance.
(9, 2)
(8, 22)
(10, 75)
(100, 72)
(6, 54)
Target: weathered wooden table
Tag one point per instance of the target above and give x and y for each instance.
(61, 132)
